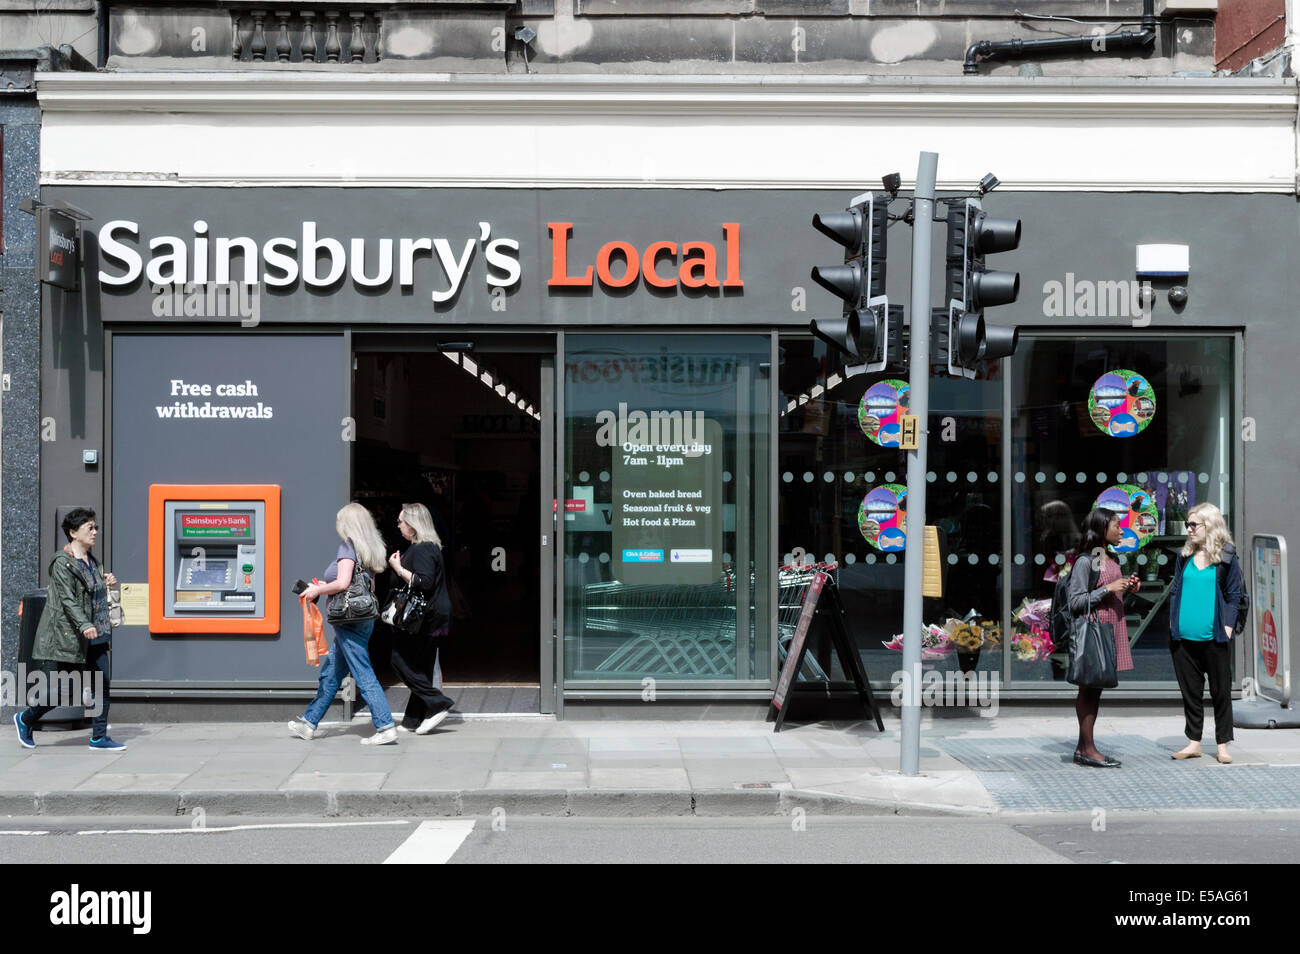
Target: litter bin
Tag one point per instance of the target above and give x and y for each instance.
(30, 608)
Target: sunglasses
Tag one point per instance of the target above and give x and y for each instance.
(1193, 526)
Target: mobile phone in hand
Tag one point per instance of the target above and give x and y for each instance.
(299, 586)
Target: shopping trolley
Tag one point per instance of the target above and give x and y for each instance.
(685, 629)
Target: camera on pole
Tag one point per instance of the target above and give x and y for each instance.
(864, 329)
(964, 339)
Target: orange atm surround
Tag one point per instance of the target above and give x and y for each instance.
(159, 495)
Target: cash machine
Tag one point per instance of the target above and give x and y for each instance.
(214, 558)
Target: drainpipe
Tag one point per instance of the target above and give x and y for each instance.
(1293, 47)
(101, 16)
(1012, 49)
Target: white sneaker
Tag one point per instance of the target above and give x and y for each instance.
(402, 728)
(302, 729)
(384, 737)
(428, 724)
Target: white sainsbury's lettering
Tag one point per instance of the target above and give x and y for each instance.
(276, 261)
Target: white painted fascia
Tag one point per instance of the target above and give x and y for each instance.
(441, 130)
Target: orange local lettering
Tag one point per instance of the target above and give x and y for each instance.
(619, 264)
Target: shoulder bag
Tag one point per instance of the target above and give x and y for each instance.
(1092, 653)
(407, 611)
(357, 604)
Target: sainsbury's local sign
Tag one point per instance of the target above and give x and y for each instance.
(443, 267)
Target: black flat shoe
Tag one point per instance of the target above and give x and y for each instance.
(1107, 762)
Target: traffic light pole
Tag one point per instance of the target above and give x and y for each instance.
(909, 758)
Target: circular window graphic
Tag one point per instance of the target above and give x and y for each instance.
(881, 410)
(1138, 517)
(1122, 403)
(883, 518)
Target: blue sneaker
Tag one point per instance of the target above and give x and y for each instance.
(24, 733)
(106, 744)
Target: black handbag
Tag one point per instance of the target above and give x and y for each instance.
(357, 604)
(407, 611)
(1092, 654)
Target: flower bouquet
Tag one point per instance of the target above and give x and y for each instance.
(972, 634)
(934, 643)
(1032, 640)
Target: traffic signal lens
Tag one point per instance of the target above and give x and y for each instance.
(843, 334)
(842, 280)
(970, 337)
(996, 235)
(994, 288)
(999, 342)
(843, 227)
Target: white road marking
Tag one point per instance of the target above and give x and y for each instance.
(209, 829)
(433, 843)
(17, 832)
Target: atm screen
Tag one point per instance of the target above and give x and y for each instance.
(213, 575)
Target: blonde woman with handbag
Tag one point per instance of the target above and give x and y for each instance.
(415, 644)
(361, 552)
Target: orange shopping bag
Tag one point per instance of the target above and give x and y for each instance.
(313, 633)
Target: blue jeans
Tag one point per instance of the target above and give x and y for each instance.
(351, 653)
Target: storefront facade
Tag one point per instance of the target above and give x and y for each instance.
(610, 397)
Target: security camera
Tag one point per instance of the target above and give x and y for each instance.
(989, 183)
(892, 182)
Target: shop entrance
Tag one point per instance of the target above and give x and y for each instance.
(458, 426)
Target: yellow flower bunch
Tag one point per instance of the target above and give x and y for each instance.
(971, 636)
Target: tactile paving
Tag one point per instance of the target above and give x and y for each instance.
(1040, 775)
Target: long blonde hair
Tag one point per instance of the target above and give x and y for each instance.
(1216, 531)
(356, 525)
(417, 517)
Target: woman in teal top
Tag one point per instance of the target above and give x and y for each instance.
(1203, 606)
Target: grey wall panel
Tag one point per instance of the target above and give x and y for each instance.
(304, 380)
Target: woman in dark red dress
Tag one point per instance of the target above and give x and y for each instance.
(1101, 531)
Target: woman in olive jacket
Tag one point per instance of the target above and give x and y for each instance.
(74, 632)
(1203, 606)
(415, 655)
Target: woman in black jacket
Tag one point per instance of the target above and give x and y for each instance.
(415, 655)
(1203, 610)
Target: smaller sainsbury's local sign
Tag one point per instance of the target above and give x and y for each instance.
(58, 257)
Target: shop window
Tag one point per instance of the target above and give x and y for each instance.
(1142, 425)
(667, 560)
(839, 468)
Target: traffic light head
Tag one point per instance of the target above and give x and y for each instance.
(972, 287)
(972, 234)
(859, 283)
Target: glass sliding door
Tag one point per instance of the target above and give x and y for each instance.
(667, 557)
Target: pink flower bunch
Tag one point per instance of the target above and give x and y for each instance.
(934, 643)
